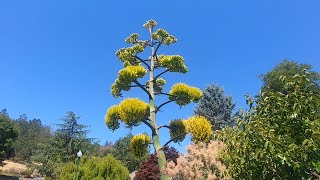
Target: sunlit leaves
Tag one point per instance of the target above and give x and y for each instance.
(177, 130)
(183, 94)
(112, 118)
(278, 139)
(174, 63)
(125, 77)
(199, 128)
(139, 145)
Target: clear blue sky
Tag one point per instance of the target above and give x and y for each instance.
(59, 56)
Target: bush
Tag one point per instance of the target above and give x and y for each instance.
(200, 162)
(96, 168)
(149, 169)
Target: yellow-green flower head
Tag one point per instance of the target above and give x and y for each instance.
(127, 54)
(184, 94)
(150, 24)
(132, 111)
(177, 130)
(112, 118)
(139, 145)
(199, 128)
(131, 73)
(125, 77)
(164, 37)
(133, 38)
(174, 63)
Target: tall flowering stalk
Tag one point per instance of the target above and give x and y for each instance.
(132, 112)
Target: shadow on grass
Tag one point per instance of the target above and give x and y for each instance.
(3, 177)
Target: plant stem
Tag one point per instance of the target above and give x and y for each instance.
(155, 134)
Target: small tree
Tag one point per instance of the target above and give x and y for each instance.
(133, 112)
(216, 107)
(8, 134)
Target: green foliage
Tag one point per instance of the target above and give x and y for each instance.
(183, 94)
(177, 130)
(122, 152)
(280, 137)
(8, 134)
(139, 145)
(95, 168)
(271, 80)
(31, 133)
(216, 107)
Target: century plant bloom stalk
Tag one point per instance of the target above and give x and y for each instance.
(201, 161)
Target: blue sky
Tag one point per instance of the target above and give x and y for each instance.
(58, 56)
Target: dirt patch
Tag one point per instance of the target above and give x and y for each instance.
(10, 166)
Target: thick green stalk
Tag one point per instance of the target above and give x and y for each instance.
(155, 135)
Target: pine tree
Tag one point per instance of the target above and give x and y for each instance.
(216, 107)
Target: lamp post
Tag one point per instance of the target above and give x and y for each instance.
(79, 154)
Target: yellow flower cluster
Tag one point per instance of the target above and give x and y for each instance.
(174, 63)
(133, 110)
(133, 38)
(199, 128)
(184, 94)
(130, 111)
(177, 130)
(127, 54)
(125, 77)
(164, 37)
(150, 24)
(139, 145)
(112, 117)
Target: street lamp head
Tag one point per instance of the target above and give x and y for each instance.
(79, 154)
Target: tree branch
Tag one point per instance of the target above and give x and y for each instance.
(150, 126)
(173, 139)
(142, 87)
(143, 61)
(158, 108)
(155, 78)
(166, 126)
(155, 52)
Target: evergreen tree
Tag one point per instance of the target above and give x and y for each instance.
(216, 107)
(73, 136)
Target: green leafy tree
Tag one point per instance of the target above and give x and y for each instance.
(121, 151)
(8, 134)
(271, 80)
(31, 132)
(216, 107)
(280, 137)
(96, 168)
(133, 111)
